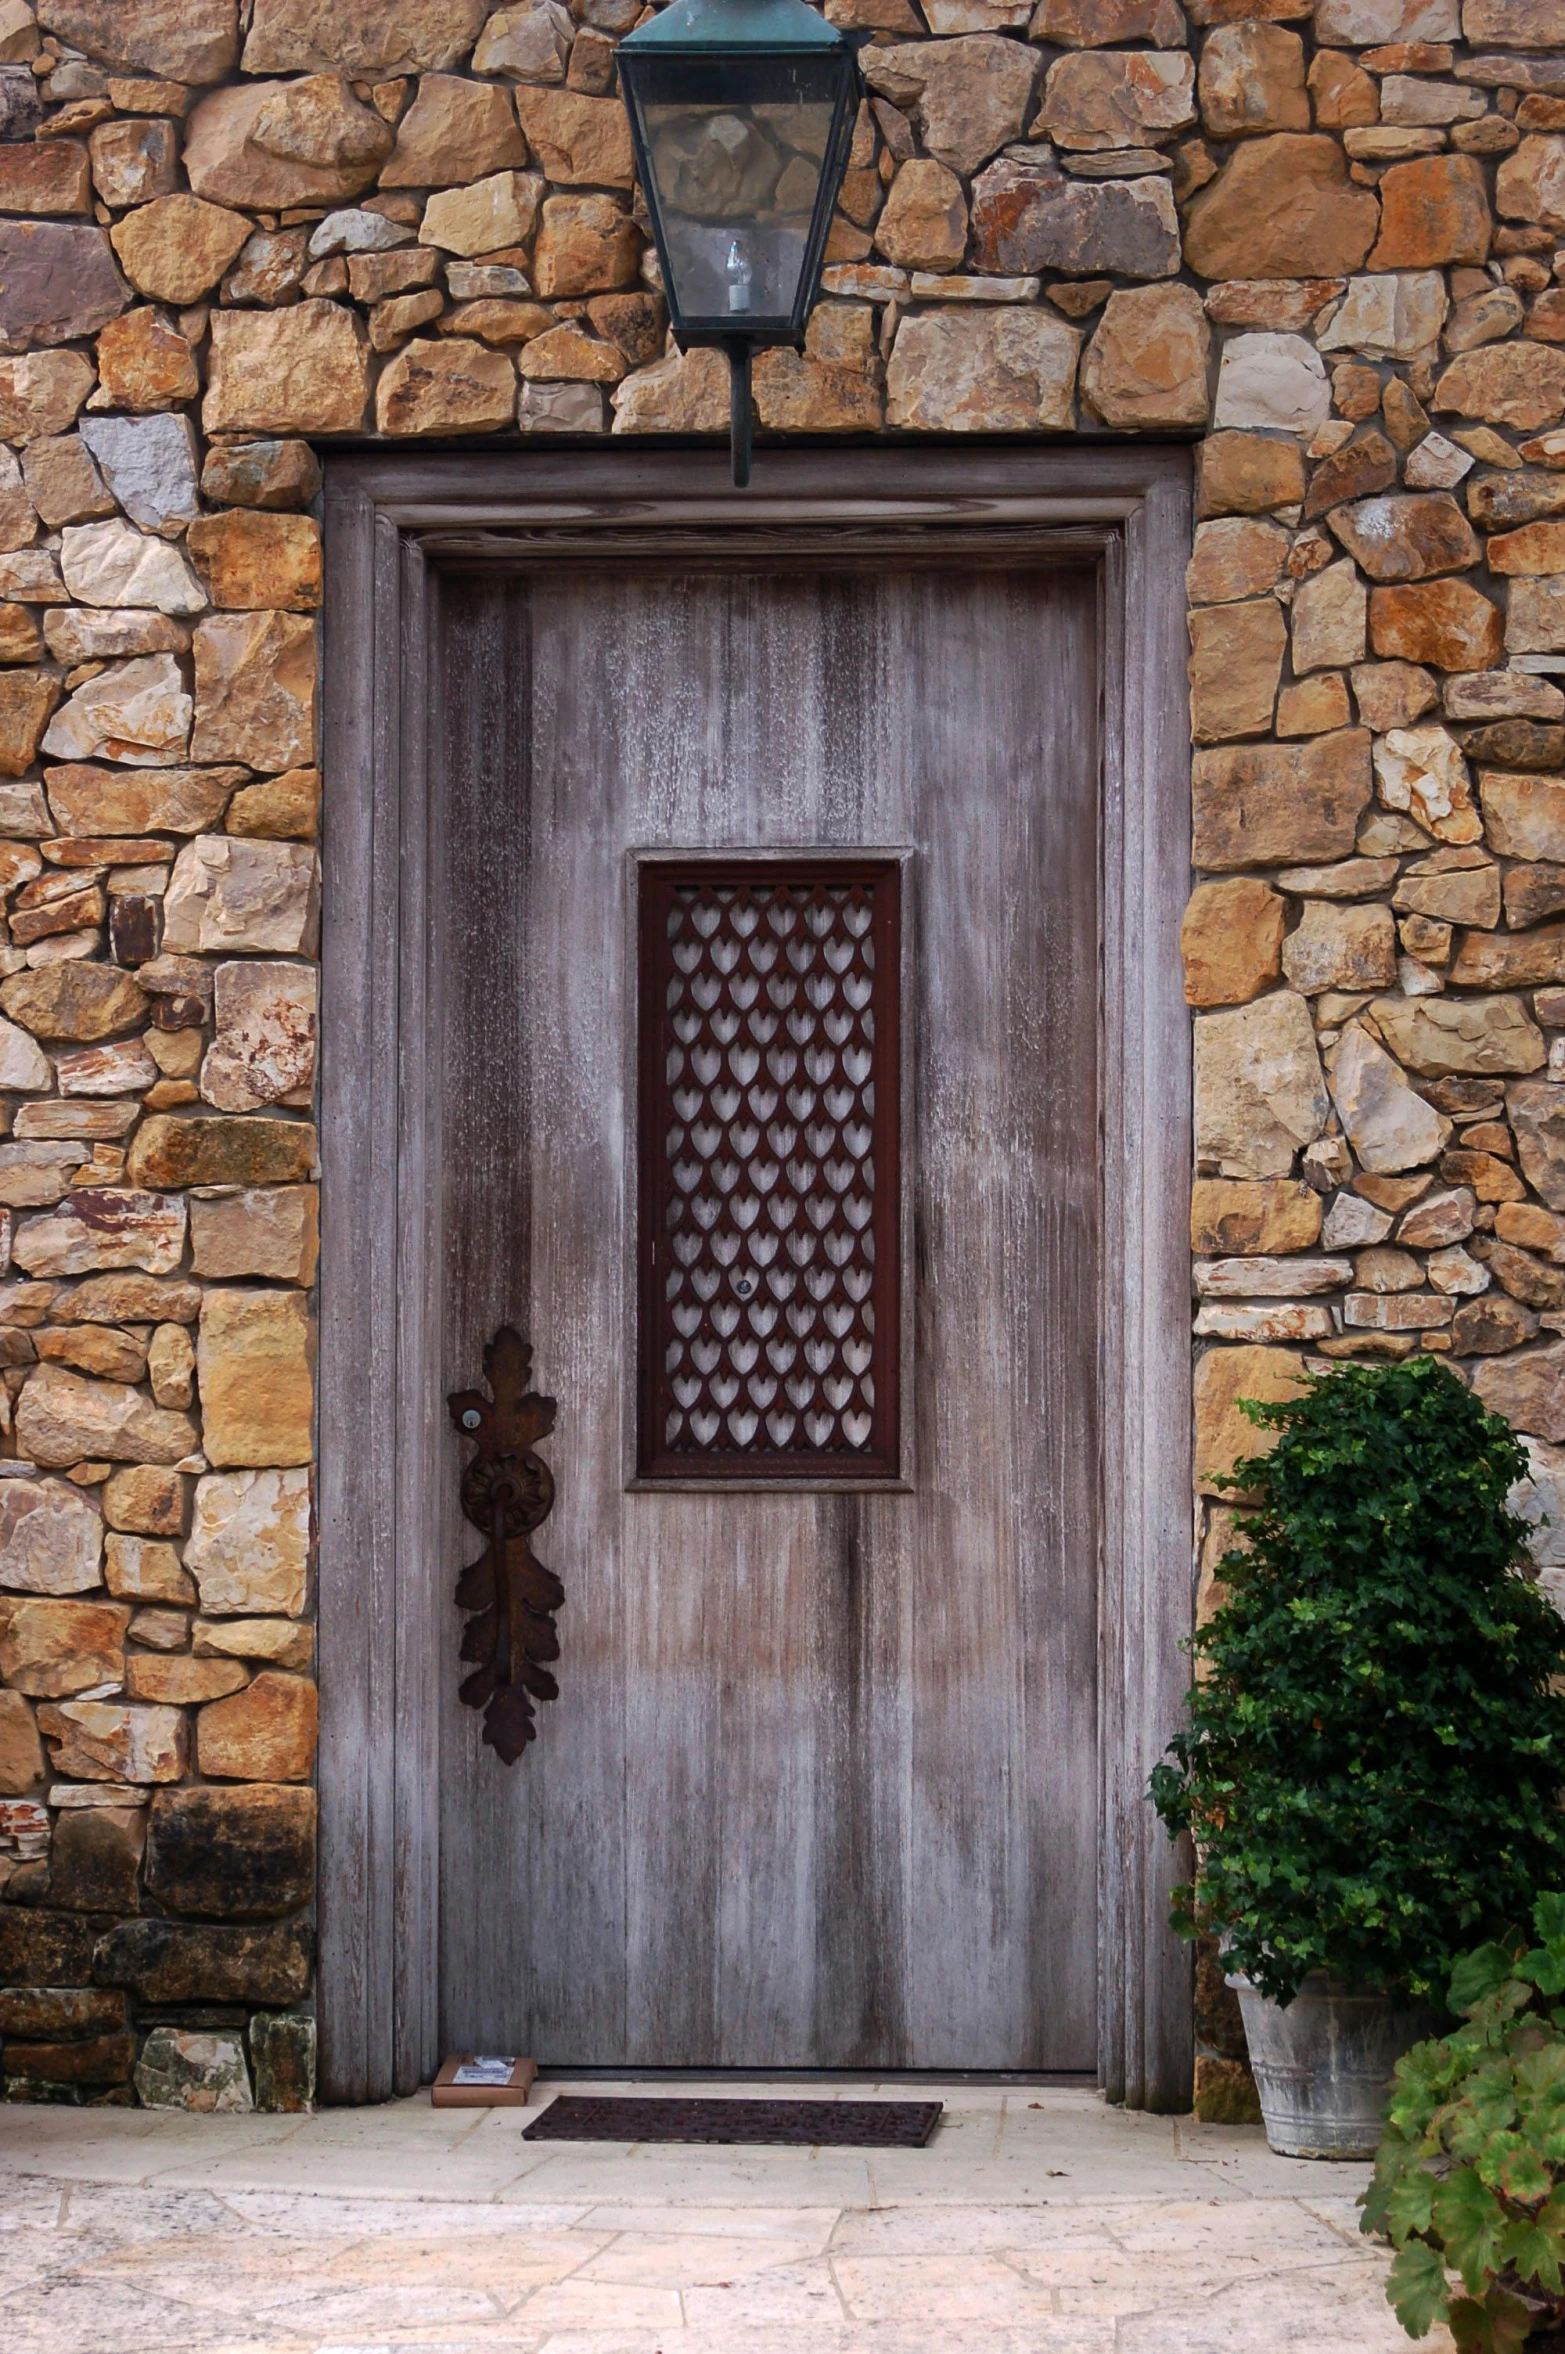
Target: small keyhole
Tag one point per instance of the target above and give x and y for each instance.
(471, 1419)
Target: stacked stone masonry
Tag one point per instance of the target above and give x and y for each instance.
(1326, 236)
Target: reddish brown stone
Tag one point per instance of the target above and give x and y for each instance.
(144, 365)
(1520, 384)
(27, 697)
(1407, 536)
(57, 284)
(1433, 210)
(1353, 472)
(53, 176)
(265, 1732)
(1248, 474)
(1443, 622)
(1282, 208)
(1269, 804)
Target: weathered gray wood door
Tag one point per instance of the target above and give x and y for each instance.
(821, 1787)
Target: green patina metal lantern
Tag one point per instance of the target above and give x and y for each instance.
(741, 115)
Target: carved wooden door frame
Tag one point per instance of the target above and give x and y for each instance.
(391, 517)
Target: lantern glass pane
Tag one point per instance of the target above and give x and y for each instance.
(736, 152)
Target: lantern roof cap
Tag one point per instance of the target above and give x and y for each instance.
(720, 26)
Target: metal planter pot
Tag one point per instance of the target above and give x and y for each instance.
(1323, 2066)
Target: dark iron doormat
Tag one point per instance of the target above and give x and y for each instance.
(868, 2125)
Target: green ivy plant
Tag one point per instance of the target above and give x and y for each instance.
(1470, 2174)
(1374, 1752)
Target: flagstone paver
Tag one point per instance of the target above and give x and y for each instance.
(1038, 2221)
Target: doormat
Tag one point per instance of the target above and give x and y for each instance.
(867, 2125)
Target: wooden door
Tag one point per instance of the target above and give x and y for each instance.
(821, 1786)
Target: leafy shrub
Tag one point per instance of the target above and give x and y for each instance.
(1471, 2171)
(1373, 1755)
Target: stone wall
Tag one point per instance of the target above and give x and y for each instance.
(1321, 231)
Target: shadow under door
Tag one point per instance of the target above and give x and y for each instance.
(769, 1024)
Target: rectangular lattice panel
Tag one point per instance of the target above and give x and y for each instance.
(769, 1130)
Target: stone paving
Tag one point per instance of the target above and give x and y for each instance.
(1038, 2221)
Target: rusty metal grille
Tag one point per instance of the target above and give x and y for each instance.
(769, 1119)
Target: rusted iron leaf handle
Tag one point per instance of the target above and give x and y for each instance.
(507, 1491)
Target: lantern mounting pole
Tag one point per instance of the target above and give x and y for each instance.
(739, 353)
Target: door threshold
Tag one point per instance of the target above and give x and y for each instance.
(1084, 2080)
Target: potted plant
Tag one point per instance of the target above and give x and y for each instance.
(1373, 1757)
(1470, 2173)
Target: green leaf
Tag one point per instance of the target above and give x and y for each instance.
(1548, 1918)
(1470, 2220)
(1478, 1975)
(1409, 2205)
(1532, 2253)
(1496, 2323)
(1416, 2290)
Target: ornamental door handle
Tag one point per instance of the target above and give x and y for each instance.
(507, 1492)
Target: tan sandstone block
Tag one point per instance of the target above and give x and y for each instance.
(1520, 384)
(577, 141)
(249, 558)
(1341, 947)
(490, 216)
(1248, 474)
(176, 248)
(264, 1230)
(1442, 1037)
(1231, 941)
(985, 370)
(454, 386)
(1235, 1217)
(270, 144)
(145, 1499)
(255, 1369)
(1224, 1434)
(299, 370)
(264, 1734)
(21, 1751)
(113, 1741)
(1148, 363)
(685, 393)
(1446, 623)
(249, 1544)
(924, 224)
(586, 245)
(1235, 665)
(1260, 1094)
(1252, 81)
(178, 1680)
(255, 689)
(1330, 620)
(284, 808)
(280, 1641)
(1283, 207)
(187, 40)
(145, 1569)
(64, 1418)
(51, 1538)
(365, 37)
(455, 130)
(51, 1648)
(1270, 804)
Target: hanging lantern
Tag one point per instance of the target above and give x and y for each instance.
(741, 115)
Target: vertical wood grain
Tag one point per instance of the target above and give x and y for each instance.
(821, 1786)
